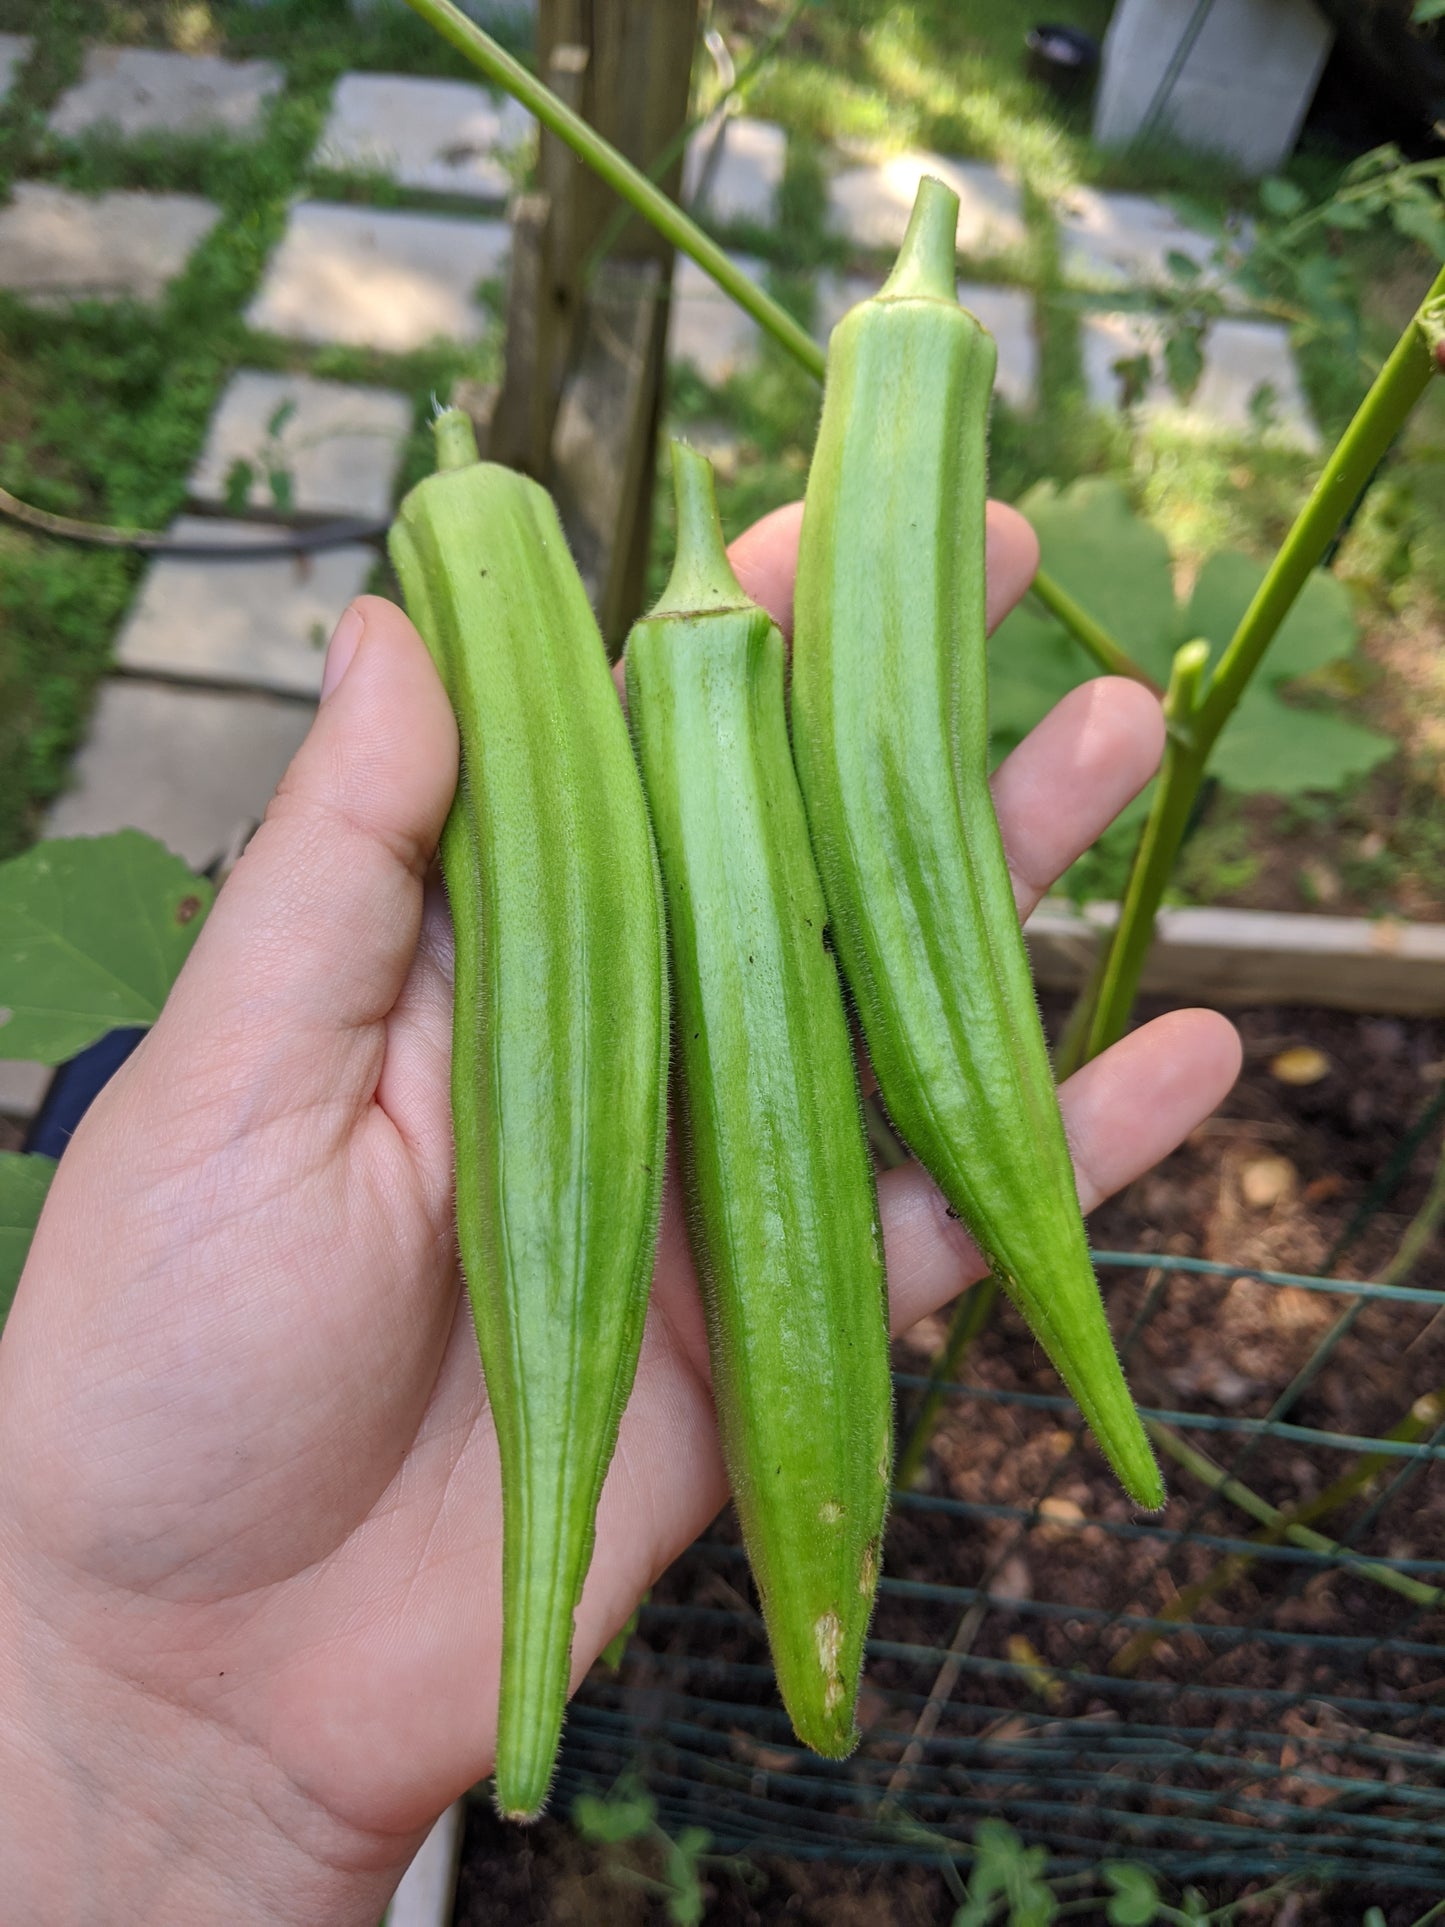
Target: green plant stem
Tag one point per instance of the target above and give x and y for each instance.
(1218, 1480)
(1378, 420)
(970, 1315)
(1103, 1009)
(648, 200)
(619, 173)
(1100, 1019)
(1089, 634)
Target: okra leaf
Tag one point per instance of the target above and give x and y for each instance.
(1112, 561)
(1272, 748)
(1319, 629)
(93, 932)
(24, 1181)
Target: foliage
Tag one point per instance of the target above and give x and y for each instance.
(1119, 567)
(24, 1181)
(1287, 261)
(629, 1816)
(93, 931)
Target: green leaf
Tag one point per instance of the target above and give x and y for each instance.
(24, 1181)
(239, 477)
(1375, 1916)
(1184, 360)
(1269, 748)
(1320, 628)
(1282, 198)
(1427, 10)
(1421, 218)
(1113, 562)
(280, 416)
(607, 1823)
(1135, 1898)
(93, 932)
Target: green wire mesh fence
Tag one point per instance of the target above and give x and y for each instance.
(1251, 1683)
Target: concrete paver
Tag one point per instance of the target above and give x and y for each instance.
(22, 1086)
(1240, 359)
(185, 765)
(1007, 313)
(870, 203)
(376, 278)
(1123, 240)
(262, 625)
(742, 182)
(14, 52)
(55, 244)
(145, 90)
(339, 444)
(444, 136)
(705, 328)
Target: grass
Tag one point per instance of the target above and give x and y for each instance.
(103, 406)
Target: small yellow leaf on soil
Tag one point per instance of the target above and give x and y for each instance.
(1301, 1064)
(1265, 1182)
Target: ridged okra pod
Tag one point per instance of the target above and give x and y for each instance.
(890, 735)
(560, 1040)
(781, 1201)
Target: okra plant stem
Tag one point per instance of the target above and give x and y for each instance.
(1104, 1009)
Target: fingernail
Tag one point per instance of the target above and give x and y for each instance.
(344, 639)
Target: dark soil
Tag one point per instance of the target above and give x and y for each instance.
(1274, 1182)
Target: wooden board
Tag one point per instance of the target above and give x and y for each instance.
(1258, 957)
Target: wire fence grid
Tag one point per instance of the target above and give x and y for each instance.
(1208, 1692)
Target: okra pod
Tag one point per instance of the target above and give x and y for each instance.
(560, 1041)
(782, 1207)
(890, 736)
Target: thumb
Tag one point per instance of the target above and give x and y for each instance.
(311, 939)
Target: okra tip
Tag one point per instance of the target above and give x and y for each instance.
(926, 268)
(456, 439)
(702, 578)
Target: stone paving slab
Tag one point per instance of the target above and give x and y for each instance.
(185, 765)
(14, 52)
(1123, 240)
(705, 328)
(1007, 313)
(379, 278)
(22, 1086)
(1239, 358)
(143, 90)
(339, 444)
(742, 183)
(263, 625)
(870, 204)
(59, 245)
(443, 136)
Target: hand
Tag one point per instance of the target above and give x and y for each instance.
(250, 1523)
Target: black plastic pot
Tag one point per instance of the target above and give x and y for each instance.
(1065, 59)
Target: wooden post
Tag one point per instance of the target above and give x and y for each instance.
(596, 354)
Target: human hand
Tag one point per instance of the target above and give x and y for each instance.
(250, 1518)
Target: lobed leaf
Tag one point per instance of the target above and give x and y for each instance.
(93, 933)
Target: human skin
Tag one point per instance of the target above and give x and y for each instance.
(250, 1519)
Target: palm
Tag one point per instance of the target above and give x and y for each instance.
(271, 1442)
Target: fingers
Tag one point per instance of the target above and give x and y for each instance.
(317, 926)
(766, 560)
(1123, 1113)
(1070, 777)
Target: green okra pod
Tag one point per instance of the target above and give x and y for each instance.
(560, 1043)
(890, 736)
(782, 1208)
